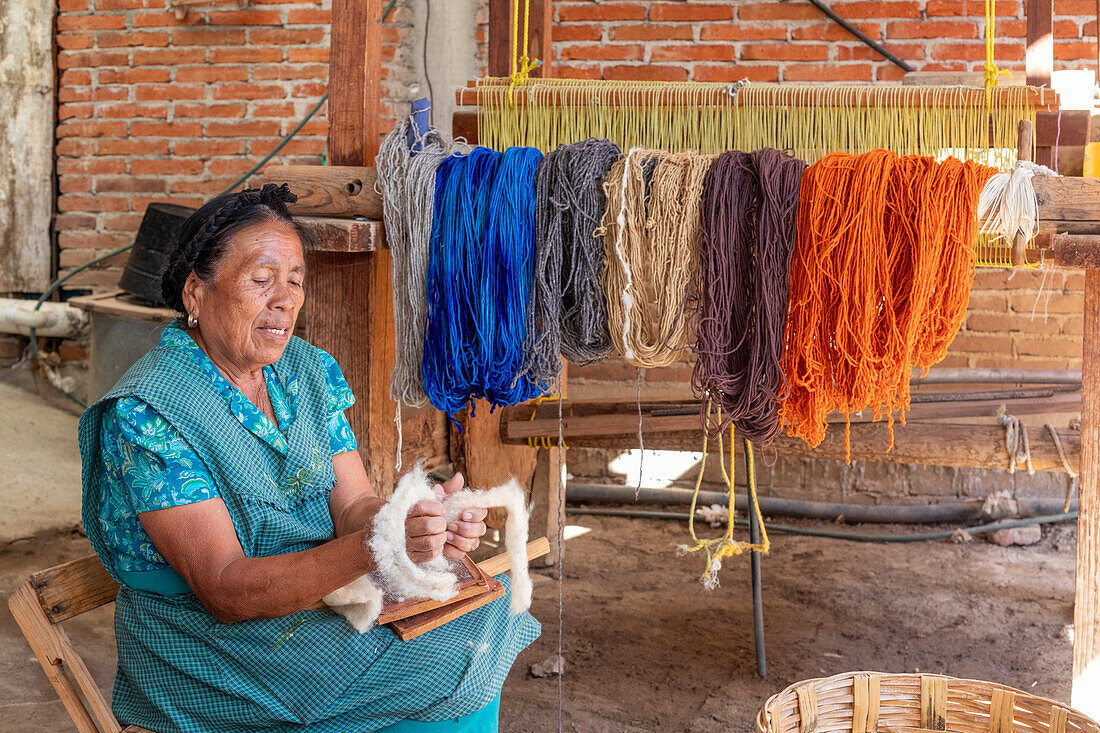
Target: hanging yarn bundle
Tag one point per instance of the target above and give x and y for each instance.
(879, 281)
(746, 236)
(568, 316)
(1008, 207)
(407, 184)
(479, 279)
(650, 227)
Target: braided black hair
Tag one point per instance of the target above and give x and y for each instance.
(201, 242)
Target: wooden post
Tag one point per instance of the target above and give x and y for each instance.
(350, 294)
(548, 507)
(1086, 608)
(1039, 62)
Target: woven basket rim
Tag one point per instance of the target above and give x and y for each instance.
(762, 720)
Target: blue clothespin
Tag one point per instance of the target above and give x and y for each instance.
(421, 121)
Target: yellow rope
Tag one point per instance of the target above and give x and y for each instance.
(725, 546)
(521, 68)
(992, 73)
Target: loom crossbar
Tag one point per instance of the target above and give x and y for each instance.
(672, 94)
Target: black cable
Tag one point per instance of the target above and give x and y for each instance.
(427, 78)
(860, 35)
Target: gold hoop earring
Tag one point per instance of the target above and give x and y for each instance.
(192, 322)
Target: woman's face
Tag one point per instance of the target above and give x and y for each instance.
(247, 311)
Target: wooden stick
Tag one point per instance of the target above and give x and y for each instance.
(499, 563)
(1025, 144)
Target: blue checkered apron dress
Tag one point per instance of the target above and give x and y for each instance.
(179, 669)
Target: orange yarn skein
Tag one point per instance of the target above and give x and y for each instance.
(880, 282)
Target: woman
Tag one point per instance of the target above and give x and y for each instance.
(223, 490)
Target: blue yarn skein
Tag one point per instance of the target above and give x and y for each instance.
(479, 279)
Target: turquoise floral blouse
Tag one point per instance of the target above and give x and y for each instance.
(150, 466)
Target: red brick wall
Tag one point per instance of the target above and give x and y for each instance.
(793, 41)
(152, 108)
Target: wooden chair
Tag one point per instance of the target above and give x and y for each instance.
(59, 593)
(39, 606)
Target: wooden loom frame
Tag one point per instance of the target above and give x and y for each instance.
(355, 292)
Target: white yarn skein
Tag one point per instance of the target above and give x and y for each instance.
(620, 221)
(1008, 204)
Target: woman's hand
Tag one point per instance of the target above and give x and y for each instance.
(427, 534)
(463, 534)
(425, 531)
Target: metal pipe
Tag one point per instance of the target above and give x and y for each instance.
(860, 35)
(952, 513)
(998, 376)
(833, 534)
(51, 319)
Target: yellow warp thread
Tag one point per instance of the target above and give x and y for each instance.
(719, 548)
(650, 252)
(992, 73)
(810, 121)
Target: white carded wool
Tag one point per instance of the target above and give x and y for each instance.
(510, 497)
(361, 600)
(404, 578)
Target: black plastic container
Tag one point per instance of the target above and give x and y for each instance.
(149, 257)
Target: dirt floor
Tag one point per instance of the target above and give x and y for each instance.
(648, 649)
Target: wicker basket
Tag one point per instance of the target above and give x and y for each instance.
(868, 702)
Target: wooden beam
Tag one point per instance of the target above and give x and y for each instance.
(1039, 66)
(1086, 607)
(344, 235)
(355, 82)
(548, 500)
(1068, 198)
(484, 460)
(1080, 251)
(1042, 99)
(464, 125)
(330, 190)
(608, 421)
(931, 444)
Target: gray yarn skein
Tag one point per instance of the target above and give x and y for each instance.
(407, 185)
(567, 315)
